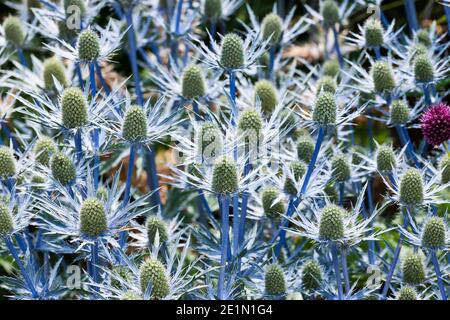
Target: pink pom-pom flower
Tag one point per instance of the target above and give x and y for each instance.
(435, 124)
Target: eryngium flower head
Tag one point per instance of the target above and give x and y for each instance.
(382, 76)
(6, 223)
(423, 69)
(386, 160)
(445, 170)
(44, 149)
(324, 112)
(213, 9)
(7, 163)
(154, 225)
(232, 56)
(331, 226)
(340, 168)
(413, 270)
(130, 295)
(423, 37)
(37, 182)
(433, 235)
(435, 124)
(93, 220)
(331, 68)
(134, 127)
(326, 84)
(267, 95)
(312, 275)
(275, 283)
(153, 272)
(62, 168)
(331, 193)
(272, 25)
(305, 148)
(399, 112)
(13, 31)
(330, 12)
(250, 122)
(79, 4)
(225, 179)
(298, 169)
(209, 141)
(407, 293)
(272, 207)
(417, 50)
(102, 194)
(88, 45)
(193, 83)
(411, 188)
(74, 108)
(373, 33)
(53, 67)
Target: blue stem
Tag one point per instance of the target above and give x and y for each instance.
(325, 49)
(9, 136)
(94, 261)
(345, 271)
(153, 182)
(174, 45)
(234, 111)
(447, 15)
(312, 163)
(426, 94)
(126, 197)
(96, 132)
(334, 254)
(78, 145)
(337, 47)
(133, 58)
(411, 14)
(196, 110)
(377, 53)
(102, 80)
(435, 262)
(370, 201)
(224, 203)
(341, 194)
(22, 59)
(79, 75)
(272, 63)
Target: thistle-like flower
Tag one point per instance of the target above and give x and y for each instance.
(435, 124)
(274, 281)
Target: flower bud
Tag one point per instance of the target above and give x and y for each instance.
(305, 148)
(423, 37)
(134, 127)
(413, 270)
(433, 235)
(53, 68)
(250, 124)
(102, 194)
(312, 276)
(6, 222)
(331, 226)
(340, 167)
(326, 84)
(62, 168)
(225, 179)
(407, 293)
(331, 68)
(7, 163)
(44, 149)
(209, 140)
(213, 9)
(232, 56)
(330, 12)
(386, 160)
(399, 112)
(13, 31)
(130, 295)
(331, 193)
(88, 45)
(298, 169)
(275, 283)
(93, 221)
(154, 225)
(382, 76)
(74, 108)
(324, 112)
(418, 50)
(193, 83)
(153, 272)
(272, 207)
(272, 25)
(423, 69)
(373, 32)
(411, 188)
(267, 95)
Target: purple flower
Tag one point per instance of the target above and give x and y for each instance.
(435, 124)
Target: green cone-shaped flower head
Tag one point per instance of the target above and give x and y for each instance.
(45, 147)
(413, 269)
(305, 148)
(74, 108)
(37, 182)
(6, 222)
(383, 77)
(445, 170)
(273, 208)
(423, 37)
(225, 178)
(264, 60)
(298, 169)
(213, 9)
(411, 188)
(54, 68)
(7, 163)
(324, 112)
(250, 124)
(14, 31)
(153, 272)
(134, 127)
(154, 225)
(93, 221)
(407, 293)
(88, 45)
(62, 168)
(102, 194)
(330, 12)
(312, 276)
(275, 283)
(331, 68)
(399, 112)
(193, 83)
(232, 56)
(209, 141)
(373, 33)
(331, 225)
(130, 295)
(417, 50)
(434, 233)
(267, 95)
(272, 25)
(423, 69)
(386, 160)
(331, 193)
(340, 167)
(326, 84)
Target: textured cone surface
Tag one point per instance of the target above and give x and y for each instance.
(209, 141)
(399, 112)
(411, 187)
(54, 68)
(418, 50)
(386, 160)
(45, 147)
(134, 126)
(433, 236)
(232, 56)
(250, 122)
(225, 179)
(325, 109)
(331, 68)
(7, 163)
(267, 95)
(74, 108)
(93, 220)
(154, 225)
(312, 275)
(305, 148)
(331, 225)
(413, 270)
(298, 169)
(423, 37)
(340, 168)
(88, 45)
(423, 69)
(62, 168)
(330, 12)
(382, 76)
(326, 84)
(13, 31)
(272, 25)
(6, 223)
(331, 192)
(407, 293)
(373, 32)
(152, 271)
(445, 167)
(435, 124)
(193, 83)
(274, 281)
(102, 194)
(272, 208)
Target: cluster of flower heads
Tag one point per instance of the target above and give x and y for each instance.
(222, 167)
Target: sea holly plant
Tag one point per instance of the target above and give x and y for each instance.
(194, 150)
